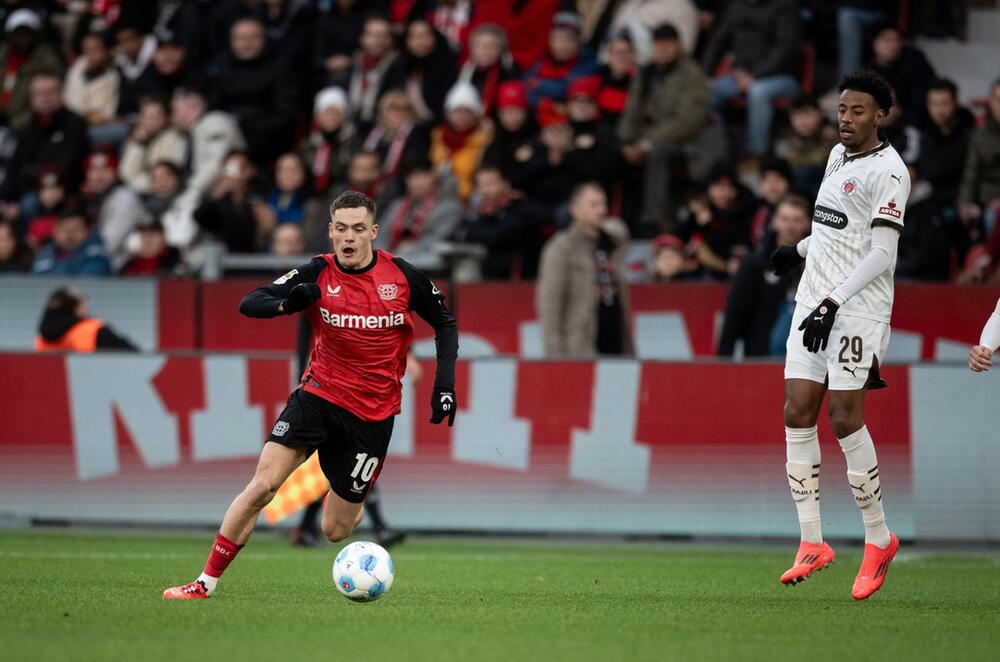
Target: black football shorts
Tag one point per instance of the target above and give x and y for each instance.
(351, 450)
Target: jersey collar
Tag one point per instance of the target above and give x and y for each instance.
(861, 155)
(357, 272)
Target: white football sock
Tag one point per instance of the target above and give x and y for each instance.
(862, 476)
(209, 582)
(802, 447)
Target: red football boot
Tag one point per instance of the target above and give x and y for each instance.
(811, 558)
(871, 576)
(194, 591)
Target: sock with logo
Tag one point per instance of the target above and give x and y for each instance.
(862, 476)
(223, 552)
(803, 455)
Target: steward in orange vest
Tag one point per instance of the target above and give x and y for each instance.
(66, 327)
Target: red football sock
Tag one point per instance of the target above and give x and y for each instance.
(223, 552)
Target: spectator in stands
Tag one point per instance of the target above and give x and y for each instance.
(979, 195)
(54, 136)
(457, 145)
(592, 144)
(516, 149)
(945, 141)
(580, 265)
(179, 24)
(489, 64)
(152, 140)
(807, 146)
(764, 38)
(511, 229)
(641, 17)
(327, 148)
(173, 205)
(527, 25)
(455, 19)
(759, 305)
(134, 55)
(211, 135)
(288, 26)
(287, 240)
(666, 113)
(416, 223)
(23, 57)
(291, 201)
(374, 70)
(566, 60)
(115, 207)
(670, 263)
(254, 84)
(616, 76)
(75, 250)
(15, 253)
(926, 240)
(153, 256)
(398, 139)
(91, 89)
(907, 70)
(171, 67)
(854, 19)
(775, 183)
(337, 36)
(66, 325)
(234, 212)
(428, 70)
(365, 176)
(51, 197)
(718, 226)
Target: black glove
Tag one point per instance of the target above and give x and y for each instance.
(301, 297)
(817, 325)
(443, 405)
(784, 259)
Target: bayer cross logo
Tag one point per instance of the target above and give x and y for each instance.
(388, 291)
(280, 428)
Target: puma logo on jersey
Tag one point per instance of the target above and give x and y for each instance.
(853, 370)
(333, 291)
(897, 178)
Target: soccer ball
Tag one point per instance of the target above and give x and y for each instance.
(363, 571)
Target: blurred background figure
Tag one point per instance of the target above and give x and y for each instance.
(670, 262)
(66, 326)
(75, 250)
(153, 256)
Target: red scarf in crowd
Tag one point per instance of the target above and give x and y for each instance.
(490, 207)
(455, 140)
(394, 155)
(409, 220)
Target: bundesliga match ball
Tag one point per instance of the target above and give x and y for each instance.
(363, 571)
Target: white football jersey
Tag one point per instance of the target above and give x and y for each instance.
(857, 191)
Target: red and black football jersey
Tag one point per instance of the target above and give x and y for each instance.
(362, 328)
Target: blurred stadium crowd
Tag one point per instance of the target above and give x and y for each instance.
(138, 135)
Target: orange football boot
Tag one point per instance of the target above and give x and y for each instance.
(194, 591)
(811, 558)
(875, 564)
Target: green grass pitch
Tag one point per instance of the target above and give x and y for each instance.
(96, 596)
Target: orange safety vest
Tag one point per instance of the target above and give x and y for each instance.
(82, 337)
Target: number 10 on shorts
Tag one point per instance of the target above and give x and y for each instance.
(365, 466)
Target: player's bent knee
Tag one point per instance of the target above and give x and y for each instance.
(797, 415)
(261, 492)
(845, 422)
(339, 530)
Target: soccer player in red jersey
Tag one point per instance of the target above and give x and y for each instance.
(359, 302)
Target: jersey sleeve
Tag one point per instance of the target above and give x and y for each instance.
(892, 189)
(427, 301)
(264, 301)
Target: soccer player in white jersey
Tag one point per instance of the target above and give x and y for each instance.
(981, 355)
(840, 328)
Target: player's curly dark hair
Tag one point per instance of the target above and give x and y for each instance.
(353, 200)
(869, 82)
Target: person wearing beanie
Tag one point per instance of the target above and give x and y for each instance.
(566, 60)
(665, 121)
(457, 145)
(516, 150)
(327, 149)
(24, 55)
(116, 207)
(489, 64)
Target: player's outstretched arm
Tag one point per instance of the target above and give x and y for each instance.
(291, 293)
(981, 356)
(428, 302)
